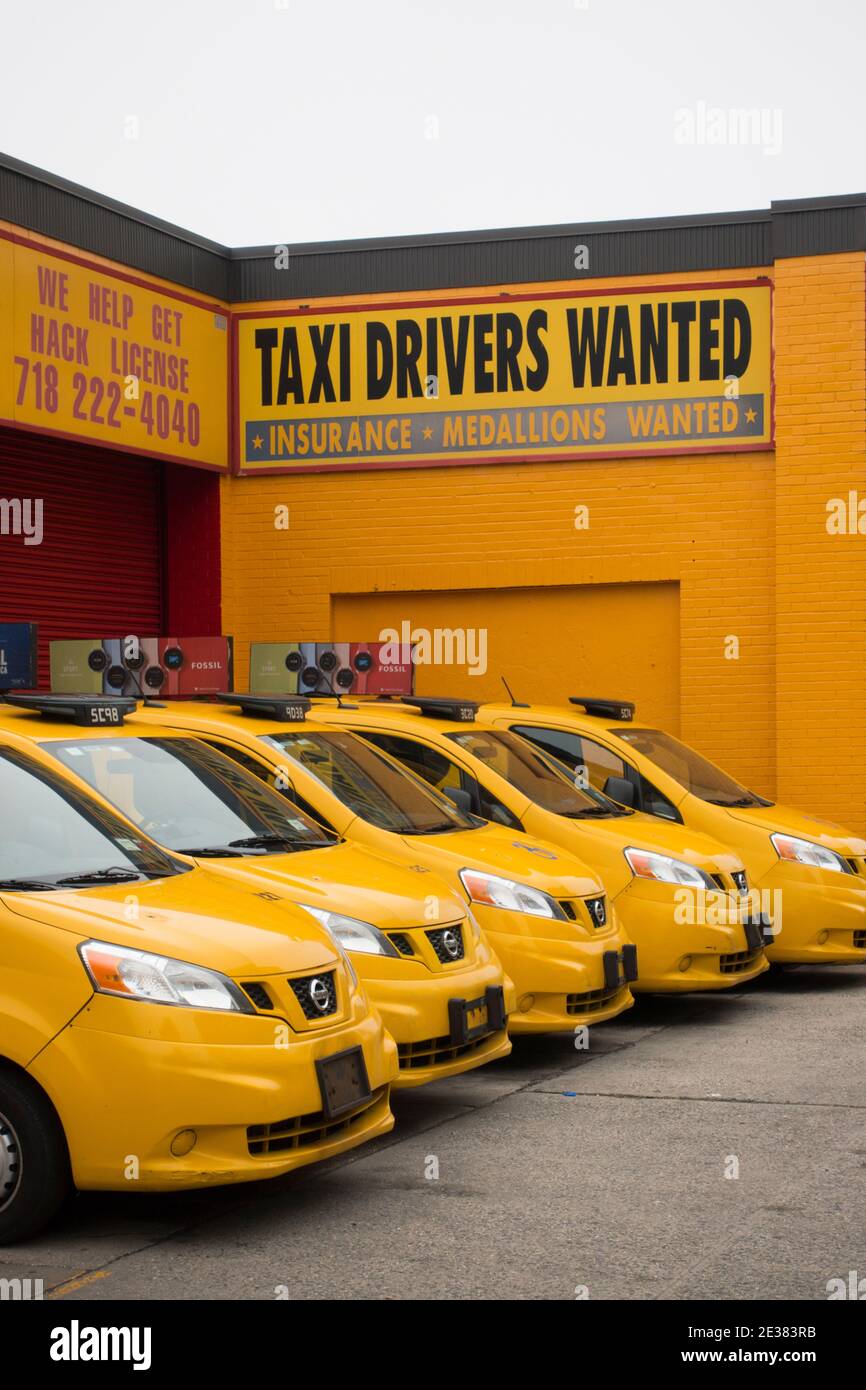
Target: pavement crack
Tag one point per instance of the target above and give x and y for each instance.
(705, 1100)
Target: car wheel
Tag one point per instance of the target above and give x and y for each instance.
(35, 1176)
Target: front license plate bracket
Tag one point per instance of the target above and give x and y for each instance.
(492, 1002)
(343, 1082)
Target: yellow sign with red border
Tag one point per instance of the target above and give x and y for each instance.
(100, 355)
(559, 374)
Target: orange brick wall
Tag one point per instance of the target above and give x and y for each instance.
(820, 369)
(727, 531)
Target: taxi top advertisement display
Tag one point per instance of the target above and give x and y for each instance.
(143, 667)
(18, 670)
(99, 355)
(545, 375)
(332, 668)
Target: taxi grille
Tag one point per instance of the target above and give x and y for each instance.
(597, 909)
(438, 940)
(402, 942)
(860, 940)
(738, 961)
(299, 1131)
(436, 1052)
(593, 1002)
(258, 994)
(306, 989)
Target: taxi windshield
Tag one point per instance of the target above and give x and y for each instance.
(543, 780)
(55, 836)
(189, 797)
(370, 784)
(687, 767)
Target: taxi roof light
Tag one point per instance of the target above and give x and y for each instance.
(621, 710)
(289, 709)
(91, 711)
(461, 711)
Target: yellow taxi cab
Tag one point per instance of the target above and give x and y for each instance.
(544, 912)
(445, 1003)
(680, 895)
(807, 873)
(160, 1025)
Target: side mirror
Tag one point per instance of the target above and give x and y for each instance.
(620, 789)
(462, 799)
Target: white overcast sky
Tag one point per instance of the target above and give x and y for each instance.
(271, 121)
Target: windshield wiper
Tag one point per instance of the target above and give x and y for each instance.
(440, 828)
(103, 876)
(35, 885)
(740, 801)
(593, 811)
(211, 852)
(266, 841)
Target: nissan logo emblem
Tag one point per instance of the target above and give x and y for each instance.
(451, 943)
(598, 910)
(320, 994)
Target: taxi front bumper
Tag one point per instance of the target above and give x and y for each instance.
(680, 946)
(127, 1097)
(437, 1036)
(817, 922)
(563, 983)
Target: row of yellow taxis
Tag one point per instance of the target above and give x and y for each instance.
(231, 928)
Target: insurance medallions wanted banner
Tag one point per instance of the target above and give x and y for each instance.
(551, 375)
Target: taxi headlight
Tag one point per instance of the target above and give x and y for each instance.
(807, 852)
(646, 864)
(131, 974)
(352, 934)
(493, 891)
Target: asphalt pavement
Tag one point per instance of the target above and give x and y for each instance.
(704, 1146)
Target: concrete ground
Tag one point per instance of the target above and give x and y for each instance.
(559, 1172)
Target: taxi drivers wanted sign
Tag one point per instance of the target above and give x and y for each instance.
(552, 374)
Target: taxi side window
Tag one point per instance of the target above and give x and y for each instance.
(561, 745)
(655, 803)
(425, 762)
(485, 804)
(446, 776)
(601, 763)
(268, 775)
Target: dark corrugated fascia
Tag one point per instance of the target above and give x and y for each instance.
(819, 226)
(461, 238)
(43, 202)
(497, 256)
(58, 208)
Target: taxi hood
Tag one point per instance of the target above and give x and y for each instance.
(203, 916)
(785, 818)
(357, 881)
(663, 837)
(510, 854)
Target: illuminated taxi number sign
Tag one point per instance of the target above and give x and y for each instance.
(104, 714)
(292, 713)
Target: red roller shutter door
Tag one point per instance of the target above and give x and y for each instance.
(98, 571)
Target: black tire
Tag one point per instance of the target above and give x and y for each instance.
(35, 1177)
